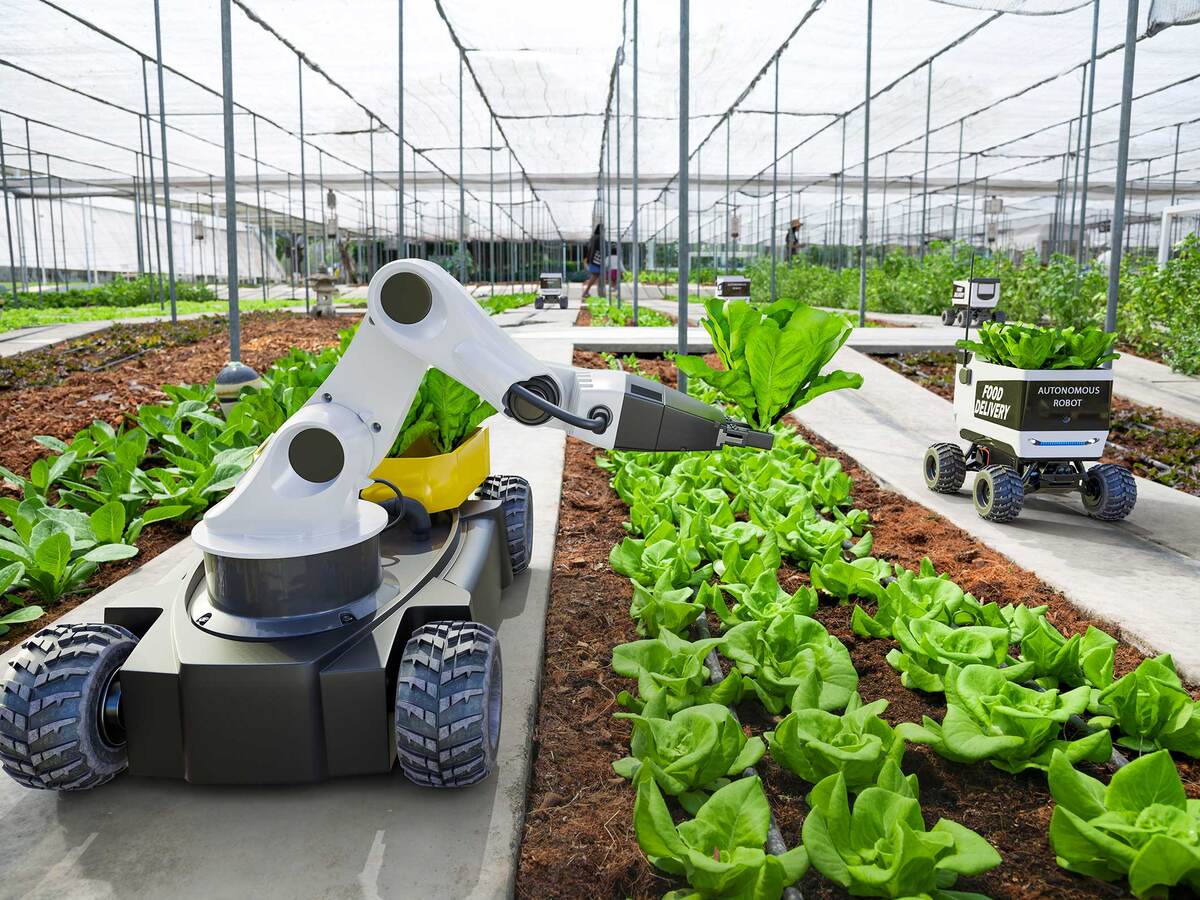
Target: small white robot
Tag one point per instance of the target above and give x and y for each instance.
(551, 289)
(974, 301)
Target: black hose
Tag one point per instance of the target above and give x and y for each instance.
(405, 509)
(598, 423)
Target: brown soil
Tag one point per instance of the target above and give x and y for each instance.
(578, 839)
(1151, 443)
(82, 397)
(584, 317)
(110, 393)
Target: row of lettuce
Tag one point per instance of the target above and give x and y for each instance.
(1158, 312)
(708, 534)
(607, 311)
(87, 502)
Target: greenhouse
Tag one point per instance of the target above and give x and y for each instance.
(630, 449)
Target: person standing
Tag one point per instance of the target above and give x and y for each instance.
(792, 243)
(614, 267)
(593, 252)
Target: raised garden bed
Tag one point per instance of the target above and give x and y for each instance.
(579, 839)
(1155, 446)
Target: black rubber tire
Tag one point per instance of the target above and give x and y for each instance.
(50, 708)
(537, 304)
(945, 468)
(516, 498)
(562, 302)
(948, 316)
(999, 315)
(998, 493)
(449, 698)
(1109, 492)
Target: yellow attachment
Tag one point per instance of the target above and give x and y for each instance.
(438, 480)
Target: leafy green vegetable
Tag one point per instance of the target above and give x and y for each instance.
(762, 601)
(880, 848)
(443, 411)
(661, 553)
(1036, 347)
(720, 852)
(844, 580)
(663, 607)
(772, 356)
(1141, 826)
(928, 648)
(816, 744)
(671, 675)
(696, 749)
(1078, 660)
(1151, 710)
(792, 660)
(1013, 727)
(10, 575)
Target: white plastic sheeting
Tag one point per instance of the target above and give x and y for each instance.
(540, 98)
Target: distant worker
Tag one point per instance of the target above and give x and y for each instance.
(614, 266)
(595, 258)
(792, 245)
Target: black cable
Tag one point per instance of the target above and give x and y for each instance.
(598, 423)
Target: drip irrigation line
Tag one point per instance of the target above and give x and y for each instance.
(775, 844)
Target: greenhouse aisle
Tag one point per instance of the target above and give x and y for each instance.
(377, 836)
(1142, 575)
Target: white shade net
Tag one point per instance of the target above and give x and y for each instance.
(539, 143)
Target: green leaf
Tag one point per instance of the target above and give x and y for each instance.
(110, 553)
(52, 551)
(108, 522)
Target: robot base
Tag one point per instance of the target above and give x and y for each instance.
(1003, 481)
(957, 315)
(189, 703)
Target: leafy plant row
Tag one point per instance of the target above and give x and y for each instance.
(708, 533)
(606, 311)
(87, 502)
(118, 292)
(1158, 313)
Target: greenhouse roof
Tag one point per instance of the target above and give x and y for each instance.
(547, 91)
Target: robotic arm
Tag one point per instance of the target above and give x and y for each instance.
(300, 497)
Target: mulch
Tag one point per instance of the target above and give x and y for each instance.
(578, 839)
(1152, 444)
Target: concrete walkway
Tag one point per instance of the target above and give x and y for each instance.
(1142, 575)
(370, 837)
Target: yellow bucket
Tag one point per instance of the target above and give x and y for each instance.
(438, 480)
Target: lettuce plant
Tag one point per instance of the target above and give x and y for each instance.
(1150, 709)
(1142, 826)
(792, 660)
(671, 675)
(1074, 661)
(694, 750)
(1036, 347)
(444, 411)
(666, 608)
(772, 357)
(880, 847)
(662, 552)
(720, 852)
(10, 575)
(762, 601)
(928, 648)
(844, 580)
(815, 744)
(1014, 728)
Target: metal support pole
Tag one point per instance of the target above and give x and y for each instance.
(12, 260)
(1118, 226)
(1145, 212)
(322, 206)
(1070, 229)
(492, 203)
(262, 230)
(775, 175)
(841, 201)
(166, 177)
(53, 239)
(617, 210)
(231, 248)
(1174, 164)
(372, 231)
(401, 246)
(462, 197)
(957, 179)
(158, 285)
(862, 262)
(212, 215)
(884, 241)
(636, 246)
(925, 177)
(728, 208)
(303, 181)
(1087, 141)
(37, 251)
(682, 323)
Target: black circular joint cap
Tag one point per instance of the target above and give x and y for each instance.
(406, 298)
(524, 411)
(316, 455)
